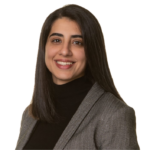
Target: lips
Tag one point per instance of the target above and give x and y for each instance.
(64, 66)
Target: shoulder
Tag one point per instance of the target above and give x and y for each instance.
(106, 104)
(109, 106)
(26, 117)
(116, 125)
(26, 112)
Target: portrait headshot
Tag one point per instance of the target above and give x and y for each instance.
(75, 103)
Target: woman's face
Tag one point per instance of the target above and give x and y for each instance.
(64, 51)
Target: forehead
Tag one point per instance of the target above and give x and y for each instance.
(65, 24)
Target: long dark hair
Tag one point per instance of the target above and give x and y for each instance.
(43, 101)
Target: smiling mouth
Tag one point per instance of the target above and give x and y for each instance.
(67, 66)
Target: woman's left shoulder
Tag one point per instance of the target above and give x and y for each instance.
(109, 105)
(116, 124)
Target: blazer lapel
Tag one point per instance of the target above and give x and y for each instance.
(92, 96)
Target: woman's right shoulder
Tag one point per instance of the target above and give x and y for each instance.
(26, 115)
(26, 111)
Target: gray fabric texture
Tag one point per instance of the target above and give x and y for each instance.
(101, 122)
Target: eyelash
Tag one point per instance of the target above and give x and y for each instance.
(54, 41)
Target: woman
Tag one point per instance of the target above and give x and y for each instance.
(75, 104)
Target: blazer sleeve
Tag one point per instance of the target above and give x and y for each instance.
(119, 131)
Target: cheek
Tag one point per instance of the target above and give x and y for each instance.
(81, 56)
(49, 53)
(46, 57)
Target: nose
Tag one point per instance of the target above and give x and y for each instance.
(65, 49)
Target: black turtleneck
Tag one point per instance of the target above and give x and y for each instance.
(68, 98)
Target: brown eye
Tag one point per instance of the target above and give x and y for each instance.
(77, 42)
(56, 41)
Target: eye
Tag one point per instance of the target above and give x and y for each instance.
(56, 41)
(77, 42)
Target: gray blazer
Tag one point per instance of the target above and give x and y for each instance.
(102, 122)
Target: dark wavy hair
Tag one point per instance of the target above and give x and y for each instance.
(97, 70)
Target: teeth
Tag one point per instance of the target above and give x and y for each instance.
(64, 63)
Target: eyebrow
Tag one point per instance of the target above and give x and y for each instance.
(61, 35)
